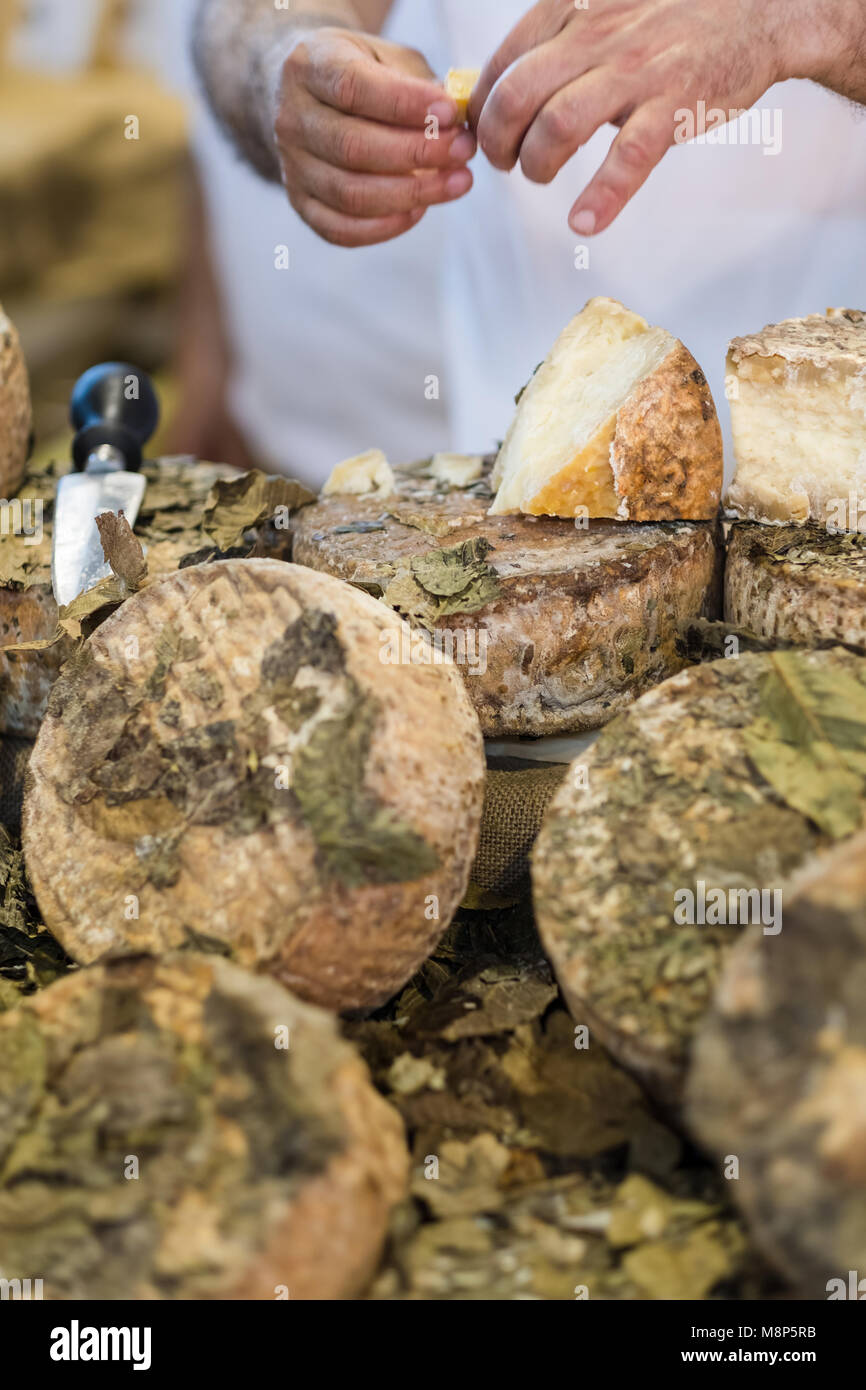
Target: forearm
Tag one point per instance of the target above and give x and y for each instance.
(239, 47)
(836, 56)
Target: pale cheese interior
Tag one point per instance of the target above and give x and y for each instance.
(367, 472)
(799, 434)
(556, 458)
(460, 84)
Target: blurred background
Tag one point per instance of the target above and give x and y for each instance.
(103, 246)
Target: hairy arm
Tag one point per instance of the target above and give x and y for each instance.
(239, 47)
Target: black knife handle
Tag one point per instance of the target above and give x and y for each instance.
(115, 404)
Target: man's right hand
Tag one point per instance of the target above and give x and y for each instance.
(366, 136)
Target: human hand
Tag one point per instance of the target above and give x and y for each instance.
(563, 72)
(367, 138)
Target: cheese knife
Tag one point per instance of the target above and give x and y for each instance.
(114, 411)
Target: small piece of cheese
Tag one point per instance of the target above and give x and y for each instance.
(797, 392)
(457, 470)
(617, 422)
(367, 472)
(460, 84)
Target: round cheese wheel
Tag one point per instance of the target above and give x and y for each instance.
(660, 828)
(181, 1129)
(555, 628)
(238, 756)
(15, 416)
(779, 1078)
(797, 583)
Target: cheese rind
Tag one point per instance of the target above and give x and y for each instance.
(797, 583)
(15, 413)
(367, 472)
(779, 1077)
(618, 422)
(797, 393)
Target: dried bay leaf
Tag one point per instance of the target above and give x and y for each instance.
(73, 617)
(236, 504)
(493, 997)
(809, 741)
(456, 579)
(357, 839)
(449, 572)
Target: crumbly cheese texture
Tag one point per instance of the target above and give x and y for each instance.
(460, 84)
(798, 413)
(367, 472)
(456, 470)
(617, 422)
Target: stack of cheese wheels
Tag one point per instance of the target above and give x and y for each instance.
(170, 531)
(665, 840)
(241, 756)
(266, 1165)
(15, 415)
(778, 1077)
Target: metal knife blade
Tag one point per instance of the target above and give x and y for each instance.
(114, 411)
(77, 561)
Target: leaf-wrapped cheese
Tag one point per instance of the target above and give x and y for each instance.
(180, 1129)
(680, 826)
(239, 755)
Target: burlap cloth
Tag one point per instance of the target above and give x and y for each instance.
(14, 757)
(515, 800)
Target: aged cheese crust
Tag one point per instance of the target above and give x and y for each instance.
(263, 1164)
(572, 624)
(797, 583)
(231, 748)
(169, 528)
(670, 798)
(15, 414)
(779, 1077)
(797, 393)
(618, 422)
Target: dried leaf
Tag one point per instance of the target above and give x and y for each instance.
(102, 597)
(236, 504)
(456, 579)
(122, 549)
(809, 741)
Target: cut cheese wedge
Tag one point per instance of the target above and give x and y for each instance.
(460, 84)
(798, 414)
(618, 422)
